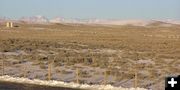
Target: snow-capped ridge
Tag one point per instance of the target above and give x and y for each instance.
(105, 21)
(64, 20)
(35, 19)
(38, 19)
(172, 21)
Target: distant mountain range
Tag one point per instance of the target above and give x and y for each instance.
(35, 19)
(43, 20)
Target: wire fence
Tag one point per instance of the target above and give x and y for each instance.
(135, 79)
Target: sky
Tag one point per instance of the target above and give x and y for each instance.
(88, 9)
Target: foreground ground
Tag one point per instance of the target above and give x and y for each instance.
(21, 86)
(20, 83)
(152, 52)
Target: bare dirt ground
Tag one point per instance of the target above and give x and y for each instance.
(19, 86)
(153, 52)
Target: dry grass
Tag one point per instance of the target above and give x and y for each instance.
(155, 49)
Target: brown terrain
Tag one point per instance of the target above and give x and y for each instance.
(103, 54)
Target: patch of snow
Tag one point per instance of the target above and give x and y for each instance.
(63, 84)
(172, 21)
(9, 53)
(14, 53)
(149, 61)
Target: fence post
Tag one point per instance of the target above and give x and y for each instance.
(50, 63)
(49, 70)
(135, 79)
(77, 75)
(135, 72)
(25, 72)
(105, 77)
(2, 67)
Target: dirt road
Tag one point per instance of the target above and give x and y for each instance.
(18, 86)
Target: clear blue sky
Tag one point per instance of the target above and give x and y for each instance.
(102, 9)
